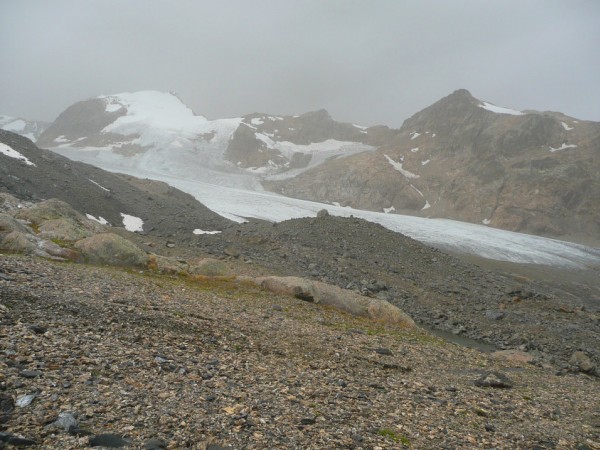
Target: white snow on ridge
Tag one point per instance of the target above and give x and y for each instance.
(414, 135)
(12, 153)
(424, 163)
(566, 127)
(198, 231)
(564, 146)
(15, 125)
(257, 121)
(132, 223)
(399, 168)
(101, 187)
(99, 219)
(500, 110)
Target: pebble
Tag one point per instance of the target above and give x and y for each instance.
(108, 440)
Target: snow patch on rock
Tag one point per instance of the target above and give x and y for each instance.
(12, 153)
(398, 166)
(132, 223)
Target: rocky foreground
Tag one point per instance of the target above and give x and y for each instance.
(113, 357)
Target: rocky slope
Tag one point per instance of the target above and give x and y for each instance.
(31, 173)
(103, 357)
(462, 158)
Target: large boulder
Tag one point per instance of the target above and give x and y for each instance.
(342, 299)
(64, 229)
(8, 224)
(111, 249)
(59, 220)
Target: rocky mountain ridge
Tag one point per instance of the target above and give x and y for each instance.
(31, 173)
(469, 160)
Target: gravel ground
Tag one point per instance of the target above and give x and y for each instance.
(165, 362)
(547, 312)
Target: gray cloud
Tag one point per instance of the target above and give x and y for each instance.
(365, 61)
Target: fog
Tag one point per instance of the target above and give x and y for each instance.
(367, 62)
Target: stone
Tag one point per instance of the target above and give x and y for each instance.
(7, 406)
(30, 373)
(342, 299)
(323, 213)
(155, 444)
(66, 421)
(111, 249)
(108, 440)
(582, 362)
(513, 355)
(16, 441)
(25, 400)
(232, 251)
(38, 329)
(494, 315)
(494, 380)
(384, 351)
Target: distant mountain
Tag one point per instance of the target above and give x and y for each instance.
(31, 173)
(156, 132)
(460, 158)
(466, 159)
(31, 129)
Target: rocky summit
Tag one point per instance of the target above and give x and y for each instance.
(466, 159)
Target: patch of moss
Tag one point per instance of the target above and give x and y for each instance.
(392, 435)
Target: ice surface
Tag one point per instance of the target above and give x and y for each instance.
(132, 223)
(12, 153)
(500, 110)
(398, 166)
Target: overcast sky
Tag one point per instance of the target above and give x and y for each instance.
(368, 62)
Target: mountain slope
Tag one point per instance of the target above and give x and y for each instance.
(465, 159)
(32, 173)
(156, 132)
(31, 129)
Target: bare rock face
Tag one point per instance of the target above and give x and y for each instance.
(464, 159)
(342, 299)
(111, 249)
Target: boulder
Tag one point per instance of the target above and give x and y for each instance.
(53, 209)
(8, 224)
(111, 249)
(342, 299)
(64, 229)
(582, 362)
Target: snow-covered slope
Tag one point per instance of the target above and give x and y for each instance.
(156, 131)
(31, 129)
